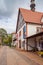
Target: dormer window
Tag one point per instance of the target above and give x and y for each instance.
(42, 20)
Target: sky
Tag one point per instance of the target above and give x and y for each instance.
(9, 12)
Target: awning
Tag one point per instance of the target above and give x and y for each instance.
(35, 35)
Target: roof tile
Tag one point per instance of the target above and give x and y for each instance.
(30, 16)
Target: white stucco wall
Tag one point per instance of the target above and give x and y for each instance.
(32, 29)
(21, 37)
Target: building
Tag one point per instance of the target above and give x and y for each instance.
(0, 40)
(14, 39)
(29, 29)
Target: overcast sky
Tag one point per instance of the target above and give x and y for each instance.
(9, 12)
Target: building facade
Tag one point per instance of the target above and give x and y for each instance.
(14, 39)
(29, 29)
(0, 40)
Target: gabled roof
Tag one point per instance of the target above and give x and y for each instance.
(30, 16)
(13, 33)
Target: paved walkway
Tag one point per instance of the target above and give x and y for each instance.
(10, 56)
(32, 56)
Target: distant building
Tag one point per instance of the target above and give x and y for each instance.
(0, 39)
(14, 39)
(29, 29)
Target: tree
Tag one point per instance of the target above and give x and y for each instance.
(10, 39)
(3, 34)
(5, 41)
(6, 38)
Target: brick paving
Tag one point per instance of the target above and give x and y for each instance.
(9, 56)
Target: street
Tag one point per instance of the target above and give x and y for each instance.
(9, 56)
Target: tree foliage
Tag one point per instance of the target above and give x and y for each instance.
(3, 34)
(5, 41)
(10, 39)
(6, 38)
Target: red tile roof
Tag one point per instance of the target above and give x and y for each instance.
(14, 33)
(30, 16)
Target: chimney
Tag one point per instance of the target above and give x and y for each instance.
(32, 6)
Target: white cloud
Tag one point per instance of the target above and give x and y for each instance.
(2, 5)
(12, 6)
(9, 25)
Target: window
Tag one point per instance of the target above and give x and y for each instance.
(42, 19)
(39, 29)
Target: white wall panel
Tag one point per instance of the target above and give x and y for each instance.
(32, 29)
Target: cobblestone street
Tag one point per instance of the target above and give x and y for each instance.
(9, 56)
